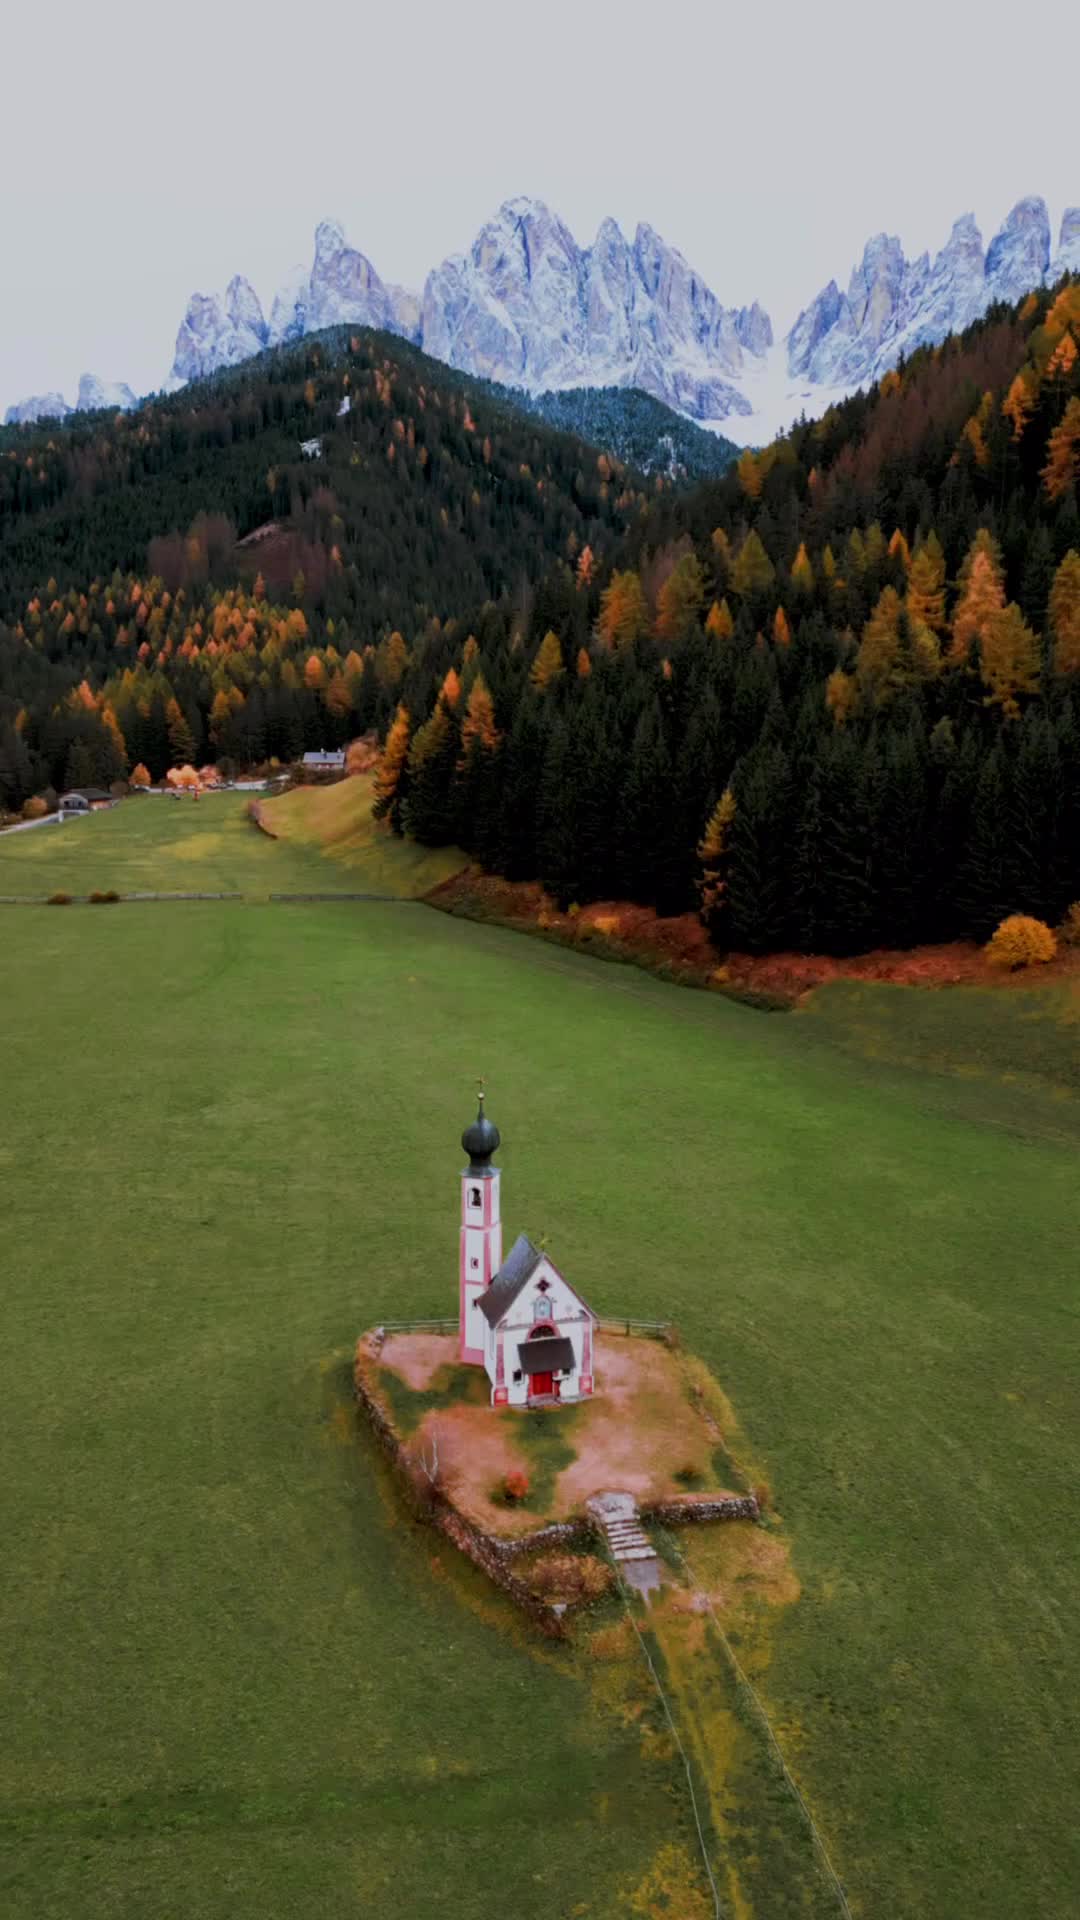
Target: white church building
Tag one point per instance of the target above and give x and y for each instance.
(519, 1319)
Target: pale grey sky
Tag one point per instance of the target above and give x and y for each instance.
(152, 149)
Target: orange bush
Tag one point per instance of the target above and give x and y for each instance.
(516, 1485)
(1021, 941)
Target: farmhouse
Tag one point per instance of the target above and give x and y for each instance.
(325, 761)
(85, 800)
(518, 1318)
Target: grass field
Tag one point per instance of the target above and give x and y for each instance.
(155, 842)
(236, 1680)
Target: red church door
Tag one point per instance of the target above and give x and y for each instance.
(543, 1383)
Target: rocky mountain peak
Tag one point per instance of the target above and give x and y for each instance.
(1067, 257)
(1019, 253)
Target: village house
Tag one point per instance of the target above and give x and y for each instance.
(518, 1318)
(84, 800)
(324, 761)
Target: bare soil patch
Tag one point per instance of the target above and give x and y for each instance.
(417, 1358)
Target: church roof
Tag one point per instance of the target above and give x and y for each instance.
(544, 1356)
(516, 1271)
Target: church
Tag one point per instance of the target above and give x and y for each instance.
(519, 1319)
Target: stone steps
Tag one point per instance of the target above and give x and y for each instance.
(618, 1517)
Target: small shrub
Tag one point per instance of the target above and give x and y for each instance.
(59, 900)
(607, 924)
(35, 808)
(1069, 930)
(763, 1496)
(105, 899)
(515, 1486)
(570, 1576)
(687, 1476)
(1021, 941)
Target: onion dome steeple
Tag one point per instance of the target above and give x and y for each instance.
(480, 1140)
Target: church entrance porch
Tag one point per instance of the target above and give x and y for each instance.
(543, 1356)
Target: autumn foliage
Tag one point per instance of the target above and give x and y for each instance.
(1021, 941)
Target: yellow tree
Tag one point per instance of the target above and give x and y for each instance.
(1065, 614)
(712, 853)
(1009, 660)
(586, 567)
(841, 696)
(893, 652)
(391, 660)
(1018, 403)
(719, 624)
(314, 673)
(926, 585)
(899, 550)
(721, 547)
(1063, 452)
(392, 764)
(681, 598)
(624, 616)
(802, 573)
(583, 665)
(548, 664)
(754, 571)
(781, 630)
(1063, 359)
(108, 714)
(982, 595)
(140, 776)
(751, 474)
(220, 716)
(450, 691)
(478, 727)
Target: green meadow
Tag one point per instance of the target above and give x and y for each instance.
(235, 1678)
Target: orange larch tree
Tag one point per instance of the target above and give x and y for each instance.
(982, 595)
(1064, 610)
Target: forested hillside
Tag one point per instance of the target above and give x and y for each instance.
(635, 427)
(835, 697)
(184, 577)
(832, 696)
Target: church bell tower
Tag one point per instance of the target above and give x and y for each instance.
(481, 1230)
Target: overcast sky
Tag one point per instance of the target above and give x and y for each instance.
(152, 150)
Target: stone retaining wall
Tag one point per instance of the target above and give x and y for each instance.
(680, 1510)
(495, 1556)
(492, 1556)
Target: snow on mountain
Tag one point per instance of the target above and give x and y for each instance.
(38, 406)
(288, 315)
(1067, 257)
(219, 333)
(95, 393)
(894, 305)
(526, 305)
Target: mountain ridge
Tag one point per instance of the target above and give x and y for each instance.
(527, 307)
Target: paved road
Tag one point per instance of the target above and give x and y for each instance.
(24, 826)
